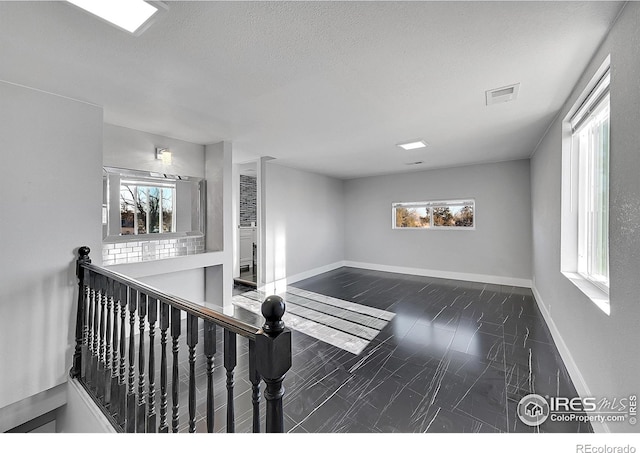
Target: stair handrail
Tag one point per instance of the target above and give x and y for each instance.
(269, 348)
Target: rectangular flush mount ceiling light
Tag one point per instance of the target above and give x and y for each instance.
(129, 15)
(413, 145)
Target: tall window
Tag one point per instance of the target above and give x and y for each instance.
(146, 209)
(590, 180)
(434, 214)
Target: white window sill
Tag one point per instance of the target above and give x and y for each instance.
(597, 296)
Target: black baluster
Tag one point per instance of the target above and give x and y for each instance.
(95, 302)
(108, 293)
(229, 365)
(254, 378)
(153, 317)
(175, 382)
(115, 398)
(209, 352)
(101, 362)
(164, 325)
(192, 341)
(86, 354)
(142, 403)
(83, 257)
(122, 386)
(273, 360)
(131, 395)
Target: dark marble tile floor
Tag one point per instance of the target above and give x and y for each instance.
(457, 357)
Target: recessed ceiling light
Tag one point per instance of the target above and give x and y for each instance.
(413, 145)
(129, 15)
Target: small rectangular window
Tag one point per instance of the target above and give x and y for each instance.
(450, 214)
(146, 208)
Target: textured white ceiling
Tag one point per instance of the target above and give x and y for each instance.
(329, 87)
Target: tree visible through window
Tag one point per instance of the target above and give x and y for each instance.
(453, 216)
(412, 217)
(146, 209)
(434, 214)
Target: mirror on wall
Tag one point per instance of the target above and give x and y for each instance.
(150, 205)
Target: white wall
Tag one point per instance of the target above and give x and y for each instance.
(187, 284)
(497, 251)
(133, 149)
(601, 351)
(51, 194)
(304, 224)
(129, 148)
(220, 222)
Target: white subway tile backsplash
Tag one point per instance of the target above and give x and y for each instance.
(136, 251)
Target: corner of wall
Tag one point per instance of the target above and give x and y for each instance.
(565, 353)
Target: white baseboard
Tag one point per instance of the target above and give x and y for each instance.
(313, 272)
(481, 278)
(572, 368)
(81, 415)
(280, 286)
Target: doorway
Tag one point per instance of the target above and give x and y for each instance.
(247, 260)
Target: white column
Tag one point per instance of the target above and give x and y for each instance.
(218, 173)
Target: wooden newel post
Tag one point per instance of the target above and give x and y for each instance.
(83, 257)
(273, 360)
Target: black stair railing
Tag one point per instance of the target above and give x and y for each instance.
(122, 378)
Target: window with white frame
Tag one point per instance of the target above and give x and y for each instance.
(585, 216)
(147, 208)
(448, 214)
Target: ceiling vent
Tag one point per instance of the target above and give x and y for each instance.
(504, 94)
